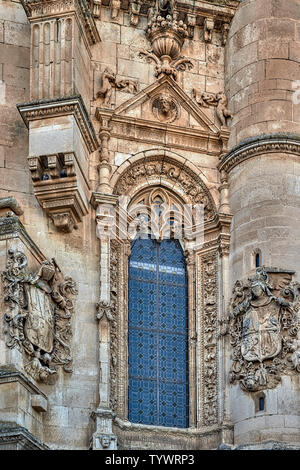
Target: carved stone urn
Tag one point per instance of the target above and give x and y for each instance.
(166, 36)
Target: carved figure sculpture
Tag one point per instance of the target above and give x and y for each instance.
(219, 100)
(108, 78)
(109, 81)
(222, 111)
(164, 108)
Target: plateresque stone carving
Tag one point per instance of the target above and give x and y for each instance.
(109, 81)
(264, 332)
(38, 313)
(166, 36)
(219, 100)
(165, 108)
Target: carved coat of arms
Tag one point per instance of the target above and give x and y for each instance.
(264, 327)
(39, 309)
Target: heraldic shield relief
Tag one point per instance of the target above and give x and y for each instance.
(39, 308)
(263, 325)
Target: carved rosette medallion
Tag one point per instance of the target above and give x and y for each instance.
(165, 108)
(264, 331)
(208, 319)
(38, 313)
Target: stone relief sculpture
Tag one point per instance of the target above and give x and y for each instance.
(219, 100)
(264, 332)
(164, 108)
(38, 313)
(109, 81)
(166, 36)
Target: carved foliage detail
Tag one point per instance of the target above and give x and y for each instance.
(264, 331)
(115, 254)
(209, 321)
(38, 313)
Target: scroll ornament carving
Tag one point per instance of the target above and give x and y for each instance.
(104, 311)
(109, 81)
(38, 313)
(264, 332)
(210, 392)
(219, 100)
(168, 171)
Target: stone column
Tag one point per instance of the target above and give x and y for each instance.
(104, 203)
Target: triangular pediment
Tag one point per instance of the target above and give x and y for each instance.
(184, 113)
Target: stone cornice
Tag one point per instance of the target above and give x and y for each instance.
(60, 107)
(16, 376)
(10, 433)
(264, 144)
(11, 203)
(41, 9)
(11, 227)
(168, 431)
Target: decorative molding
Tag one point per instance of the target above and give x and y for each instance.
(166, 170)
(209, 25)
(11, 434)
(10, 203)
(264, 144)
(57, 189)
(263, 324)
(134, 11)
(46, 9)
(207, 294)
(38, 313)
(7, 376)
(12, 228)
(73, 105)
(115, 291)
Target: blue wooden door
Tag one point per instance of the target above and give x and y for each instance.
(158, 334)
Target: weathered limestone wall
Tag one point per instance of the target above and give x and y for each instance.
(71, 400)
(265, 201)
(262, 61)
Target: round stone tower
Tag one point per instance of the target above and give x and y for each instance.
(263, 171)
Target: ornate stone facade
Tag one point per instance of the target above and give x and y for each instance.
(128, 119)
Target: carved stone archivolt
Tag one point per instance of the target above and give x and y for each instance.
(176, 176)
(38, 314)
(263, 326)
